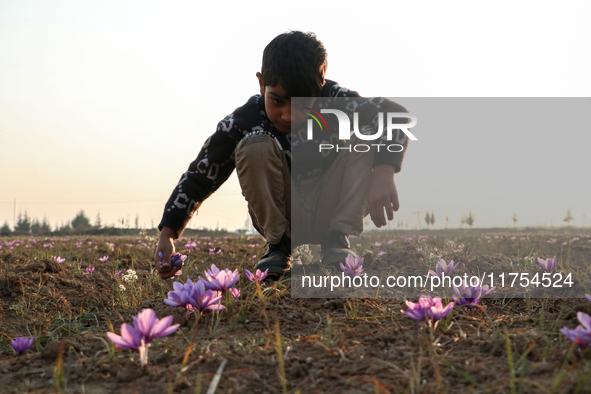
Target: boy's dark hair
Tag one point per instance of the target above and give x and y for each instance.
(296, 61)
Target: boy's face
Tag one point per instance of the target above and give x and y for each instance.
(278, 107)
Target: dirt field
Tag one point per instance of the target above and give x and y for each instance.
(273, 343)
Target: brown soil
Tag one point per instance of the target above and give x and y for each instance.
(327, 345)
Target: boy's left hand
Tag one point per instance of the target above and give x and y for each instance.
(382, 194)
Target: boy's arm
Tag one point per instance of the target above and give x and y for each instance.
(382, 193)
(212, 167)
(205, 175)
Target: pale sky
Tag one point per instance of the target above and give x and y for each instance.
(103, 105)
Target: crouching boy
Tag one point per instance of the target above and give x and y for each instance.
(297, 193)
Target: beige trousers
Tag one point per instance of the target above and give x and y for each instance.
(306, 210)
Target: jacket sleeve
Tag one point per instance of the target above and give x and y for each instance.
(212, 167)
(369, 110)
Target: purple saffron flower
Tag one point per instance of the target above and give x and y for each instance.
(151, 327)
(118, 274)
(175, 297)
(548, 264)
(467, 296)
(178, 260)
(58, 259)
(442, 267)
(191, 245)
(235, 292)
(582, 334)
(486, 290)
(104, 259)
(130, 338)
(194, 296)
(146, 327)
(259, 276)
(427, 309)
(588, 297)
(353, 266)
(220, 280)
(21, 344)
(89, 270)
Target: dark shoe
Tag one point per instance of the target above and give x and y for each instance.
(277, 259)
(335, 248)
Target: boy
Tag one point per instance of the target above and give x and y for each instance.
(332, 191)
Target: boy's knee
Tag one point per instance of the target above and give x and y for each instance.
(257, 145)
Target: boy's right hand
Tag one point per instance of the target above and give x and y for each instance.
(164, 252)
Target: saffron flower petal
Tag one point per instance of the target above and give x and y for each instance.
(547, 265)
(21, 344)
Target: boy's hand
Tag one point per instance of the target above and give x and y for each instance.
(382, 194)
(164, 251)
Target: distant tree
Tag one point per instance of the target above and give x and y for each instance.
(568, 218)
(469, 220)
(446, 220)
(514, 218)
(429, 218)
(5, 230)
(23, 224)
(64, 228)
(81, 222)
(35, 227)
(45, 226)
(137, 220)
(97, 222)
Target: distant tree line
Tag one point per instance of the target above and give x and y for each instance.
(26, 225)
